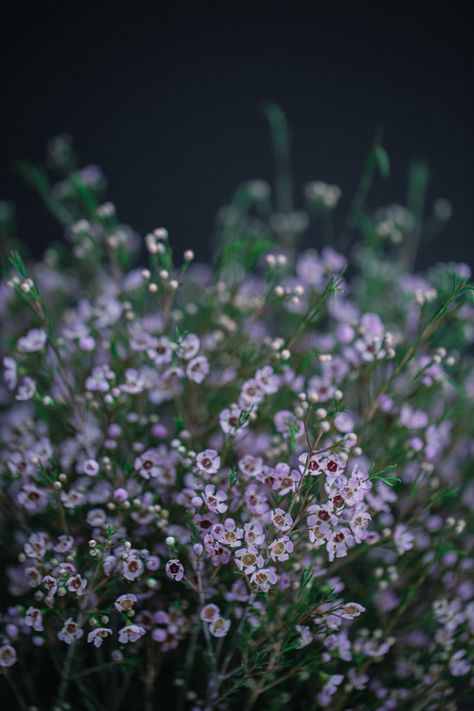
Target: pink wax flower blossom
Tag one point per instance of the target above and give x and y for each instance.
(281, 548)
(10, 372)
(70, 632)
(7, 656)
(403, 538)
(231, 421)
(267, 380)
(208, 461)
(351, 610)
(148, 464)
(132, 567)
(248, 559)
(310, 464)
(264, 578)
(161, 351)
(34, 619)
(130, 634)
(197, 369)
(282, 520)
(26, 389)
(91, 467)
(35, 340)
(175, 570)
(214, 500)
(188, 346)
(125, 602)
(209, 613)
(76, 584)
(98, 635)
(219, 627)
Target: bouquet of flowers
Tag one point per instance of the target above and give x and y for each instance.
(239, 485)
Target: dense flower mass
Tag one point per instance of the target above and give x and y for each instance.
(247, 485)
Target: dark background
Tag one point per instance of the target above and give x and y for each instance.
(166, 99)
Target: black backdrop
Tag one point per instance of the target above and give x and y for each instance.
(166, 99)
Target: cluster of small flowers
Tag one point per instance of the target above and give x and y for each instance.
(236, 467)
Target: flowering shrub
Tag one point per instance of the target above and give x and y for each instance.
(237, 486)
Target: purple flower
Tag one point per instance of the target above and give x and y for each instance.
(209, 613)
(282, 520)
(70, 632)
(148, 464)
(188, 346)
(10, 372)
(76, 584)
(219, 627)
(132, 567)
(130, 633)
(35, 340)
(125, 603)
(280, 549)
(26, 390)
(7, 656)
(197, 369)
(91, 467)
(208, 461)
(403, 539)
(97, 636)
(231, 421)
(264, 578)
(175, 570)
(34, 619)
